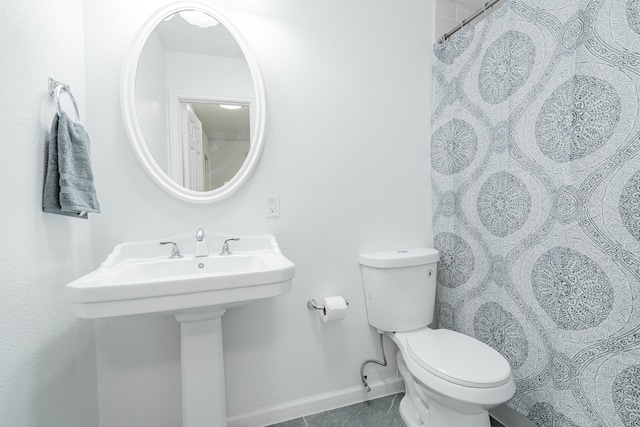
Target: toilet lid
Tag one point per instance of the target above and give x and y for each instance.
(459, 359)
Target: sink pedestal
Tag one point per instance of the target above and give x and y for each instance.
(204, 402)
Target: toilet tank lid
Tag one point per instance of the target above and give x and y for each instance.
(400, 258)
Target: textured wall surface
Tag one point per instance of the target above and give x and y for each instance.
(47, 356)
(346, 149)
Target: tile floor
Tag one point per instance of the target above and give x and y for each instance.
(382, 412)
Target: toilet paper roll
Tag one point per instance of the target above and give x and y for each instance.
(335, 308)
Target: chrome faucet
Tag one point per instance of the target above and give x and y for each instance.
(175, 251)
(201, 244)
(225, 247)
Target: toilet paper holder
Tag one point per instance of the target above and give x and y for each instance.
(313, 305)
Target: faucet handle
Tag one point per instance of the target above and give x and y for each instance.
(200, 235)
(225, 246)
(175, 251)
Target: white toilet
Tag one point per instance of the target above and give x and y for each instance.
(451, 379)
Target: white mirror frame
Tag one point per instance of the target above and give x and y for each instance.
(130, 118)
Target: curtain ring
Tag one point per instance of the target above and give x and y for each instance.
(484, 8)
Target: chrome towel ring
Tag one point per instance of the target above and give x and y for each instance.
(56, 89)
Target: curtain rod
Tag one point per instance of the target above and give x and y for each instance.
(473, 16)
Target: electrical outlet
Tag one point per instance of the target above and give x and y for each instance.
(273, 206)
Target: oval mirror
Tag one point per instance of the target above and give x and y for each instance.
(193, 103)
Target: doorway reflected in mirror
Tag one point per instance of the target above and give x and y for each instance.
(214, 142)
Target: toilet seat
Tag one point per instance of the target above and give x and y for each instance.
(458, 358)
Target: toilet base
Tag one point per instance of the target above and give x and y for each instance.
(412, 419)
(421, 408)
(409, 414)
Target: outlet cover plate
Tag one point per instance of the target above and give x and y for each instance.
(273, 205)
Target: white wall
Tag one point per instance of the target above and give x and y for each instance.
(47, 356)
(208, 75)
(151, 100)
(226, 157)
(347, 150)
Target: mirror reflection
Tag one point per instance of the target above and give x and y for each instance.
(194, 101)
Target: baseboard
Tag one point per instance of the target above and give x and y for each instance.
(316, 404)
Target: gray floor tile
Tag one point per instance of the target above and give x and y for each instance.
(298, 422)
(382, 412)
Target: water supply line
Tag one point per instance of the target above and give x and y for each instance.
(363, 378)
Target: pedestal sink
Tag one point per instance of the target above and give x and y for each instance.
(139, 278)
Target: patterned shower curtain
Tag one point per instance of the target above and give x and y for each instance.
(536, 181)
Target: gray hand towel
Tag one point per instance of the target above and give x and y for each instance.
(68, 183)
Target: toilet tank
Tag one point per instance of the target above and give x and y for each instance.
(400, 288)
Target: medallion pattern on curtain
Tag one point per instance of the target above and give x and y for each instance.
(536, 184)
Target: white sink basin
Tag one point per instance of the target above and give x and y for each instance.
(139, 277)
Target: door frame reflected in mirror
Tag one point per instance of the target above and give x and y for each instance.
(132, 125)
(177, 166)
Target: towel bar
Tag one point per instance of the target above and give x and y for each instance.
(55, 89)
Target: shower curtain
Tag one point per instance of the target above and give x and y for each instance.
(536, 185)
